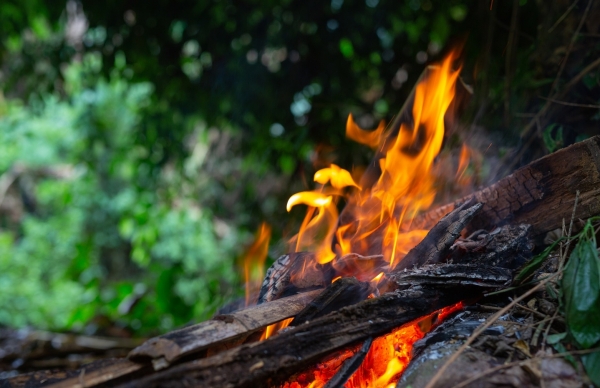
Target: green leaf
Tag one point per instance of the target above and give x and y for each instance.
(581, 292)
(535, 263)
(553, 143)
(555, 338)
(591, 362)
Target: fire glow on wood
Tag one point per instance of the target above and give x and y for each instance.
(376, 221)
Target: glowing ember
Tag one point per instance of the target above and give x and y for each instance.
(384, 363)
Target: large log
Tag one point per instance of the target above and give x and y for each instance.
(540, 194)
(231, 328)
(275, 359)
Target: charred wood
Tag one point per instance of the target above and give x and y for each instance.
(292, 273)
(229, 328)
(342, 293)
(453, 275)
(275, 359)
(540, 194)
(350, 366)
(436, 245)
(508, 247)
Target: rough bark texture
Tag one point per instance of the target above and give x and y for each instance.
(233, 327)
(273, 360)
(292, 273)
(540, 194)
(342, 293)
(96, 373)
(436, 245)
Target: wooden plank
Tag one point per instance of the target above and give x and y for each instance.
(541, 194)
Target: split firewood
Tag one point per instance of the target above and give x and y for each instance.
(229, 328)
(275, 359)
(451, 275)
(93, 374)
(540, 194)
(342, 293)
(436, 244)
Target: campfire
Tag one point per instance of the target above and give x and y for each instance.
(373, 234)
(359, 287)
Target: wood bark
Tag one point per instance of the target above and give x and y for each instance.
(540, 194)
(436, 244)
(228, 328)
(275, 359)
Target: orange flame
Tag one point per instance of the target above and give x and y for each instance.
(375, 216)
(271, 330)
(369, 138)
(254, 261)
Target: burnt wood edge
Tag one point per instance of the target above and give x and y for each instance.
(440, 238)
(221, 329)
(275, 359)
(541, 193)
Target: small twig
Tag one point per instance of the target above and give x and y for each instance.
(548, 329)
(570, 103)
(525, 308)
(515, 287)
(564, 15)
(564, 255)
(571, 44)
(482, 328)
(521, 363)
(538, 331)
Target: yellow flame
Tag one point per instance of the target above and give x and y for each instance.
(406, 185)
(254, 261)
(309, 198)
(338, 177)
(271, 330)
(369, 138)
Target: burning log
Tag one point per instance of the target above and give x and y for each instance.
(540, 194)
(436, 245)
(342, 293)
(275, 359)
(229, 329)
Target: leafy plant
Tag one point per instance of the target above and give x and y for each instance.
(580, 287)
(92, 200)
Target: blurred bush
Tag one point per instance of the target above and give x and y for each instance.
(77, 198)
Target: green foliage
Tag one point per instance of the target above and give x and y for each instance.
(591, 362)
(551, 142)
(580, 294)
(65, 262)
(581, 291)
(535, 263)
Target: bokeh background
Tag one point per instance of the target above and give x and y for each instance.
(143, 142)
